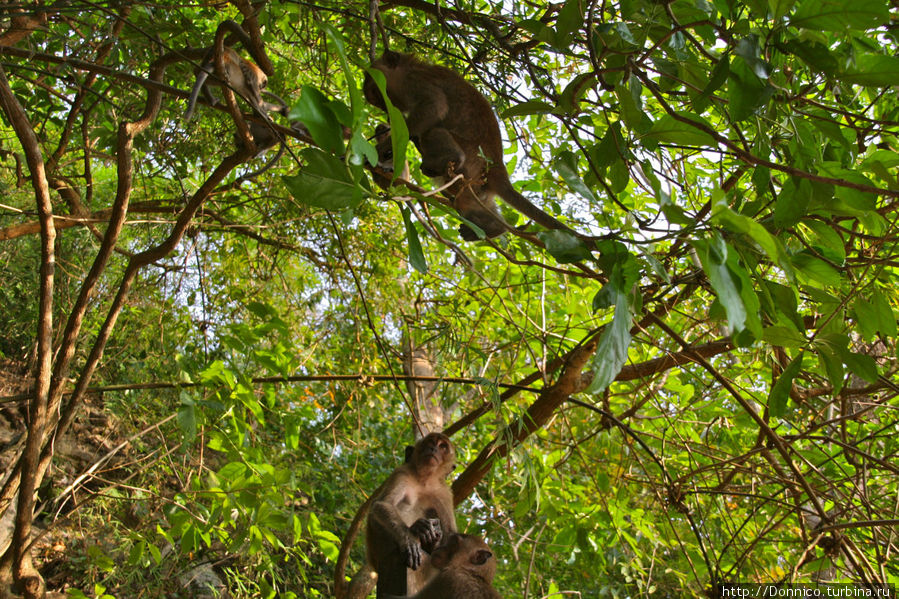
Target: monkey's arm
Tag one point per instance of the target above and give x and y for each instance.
(386, 515)
(427, 108)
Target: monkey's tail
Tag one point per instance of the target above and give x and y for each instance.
(202, 76)
(265, 167)
(500, 182)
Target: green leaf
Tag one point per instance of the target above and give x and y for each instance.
(540, 30)
(748, 49)
(874, 315)
(416, 255)
(610, 148)
(830, 347)
(816, 55)
(187, 421)
(564, 247)
(863, 366)
(839, 15)
(746, 92)
(362, 149)
(731, 284)
(886, 318)
(784, 336)
(611, 353)
(780, 8)
(571, 18)
(815, 271)
(792, 202)
(399, 132)
(631, 112)
(827, 241)
(872, 70)
(722, 214)
(324, 182)
(566, 165)
(716, 80)
(671, 130)
(780, 391)
(313, 111)
(336, 41)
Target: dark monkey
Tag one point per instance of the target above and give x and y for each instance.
(456, 132)
(467, 567)
(246, 79)
(410, 517)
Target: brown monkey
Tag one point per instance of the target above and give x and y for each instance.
(456, 132)
(245, 78)
(410, 516)
(467, 567)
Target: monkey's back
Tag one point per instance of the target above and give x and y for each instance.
(470, 117)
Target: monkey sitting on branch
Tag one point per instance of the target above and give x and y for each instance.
(413, 512)
(456, 132)
(467, 568)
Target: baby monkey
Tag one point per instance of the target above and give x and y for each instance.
(246, 79)
(467, 567)
(456, 132)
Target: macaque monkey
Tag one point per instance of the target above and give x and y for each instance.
(245, 78)
(413, 512)
(384, 147)
(467, 567)
(456, 132)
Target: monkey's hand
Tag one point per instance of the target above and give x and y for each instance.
(428, 531)
(411, 548)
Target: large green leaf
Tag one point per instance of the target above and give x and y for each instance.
(722, 214)
(780, 391)
(731, 283)
(325, 182)
(314, 112)
(873, 70)
(669, 129)
(416, 255)
(611, 353)
(839, 15)
(566, 166)
(564, 247)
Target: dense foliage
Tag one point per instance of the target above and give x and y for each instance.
(701, 393)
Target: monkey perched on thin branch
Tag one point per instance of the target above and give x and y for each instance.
(244, 77)
(410, 517)
(456, 132)
(467, 568)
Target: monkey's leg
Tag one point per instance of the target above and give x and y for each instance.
(392, 575)
(439, 152)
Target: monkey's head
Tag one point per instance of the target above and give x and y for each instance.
(435, 452)
(393, 65)
(465, 552)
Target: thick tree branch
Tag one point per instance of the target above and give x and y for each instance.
(570, 381)
(23, 569)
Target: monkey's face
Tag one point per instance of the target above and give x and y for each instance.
(435, 451)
